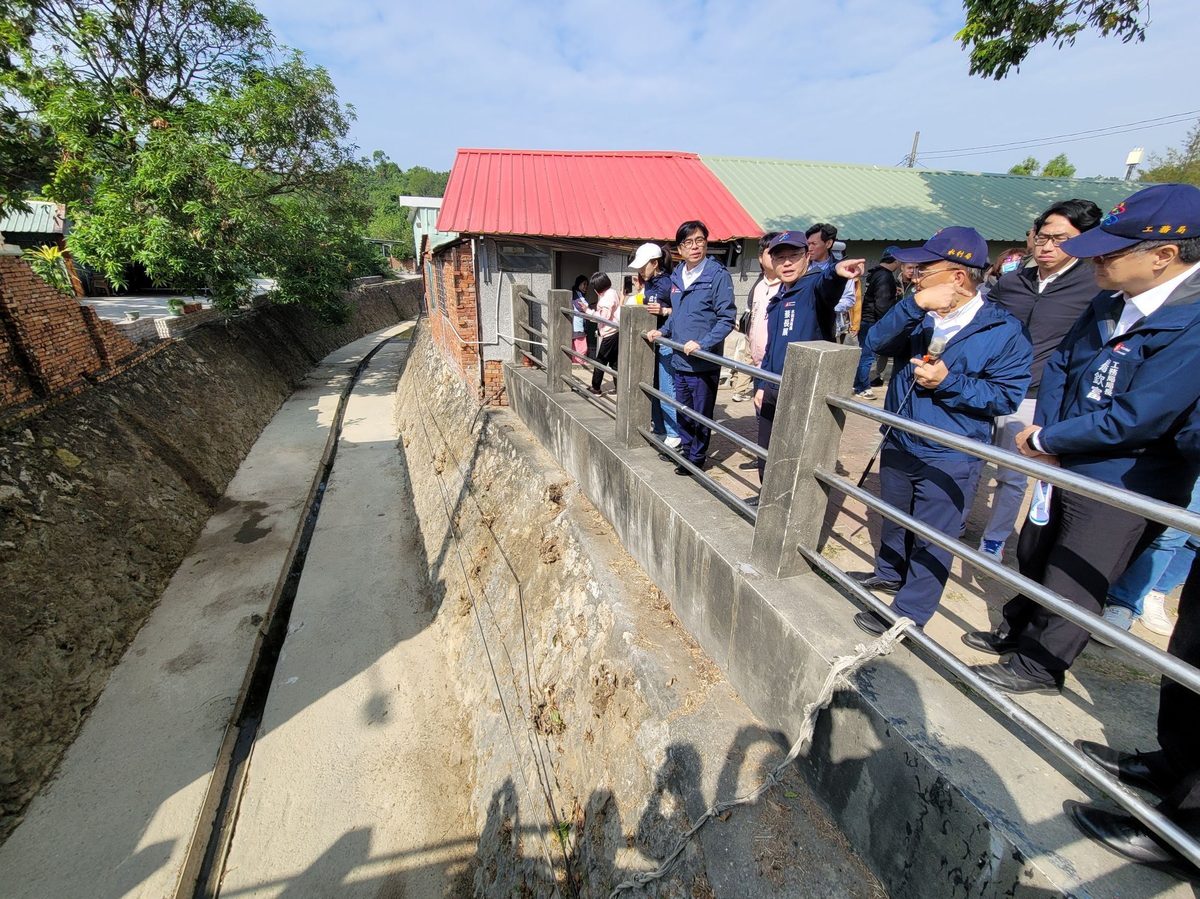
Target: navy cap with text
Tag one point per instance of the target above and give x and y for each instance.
(954, 244)
(1162, 212)
(789, 239)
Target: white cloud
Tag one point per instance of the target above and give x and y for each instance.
(848, 80)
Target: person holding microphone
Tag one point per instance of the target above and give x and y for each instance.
(969, 362)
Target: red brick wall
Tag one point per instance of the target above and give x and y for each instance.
(51, 344)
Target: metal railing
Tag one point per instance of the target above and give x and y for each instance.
(810, 416)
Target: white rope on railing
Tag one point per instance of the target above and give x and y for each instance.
(839, 673)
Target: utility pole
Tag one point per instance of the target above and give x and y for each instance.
(912, 157)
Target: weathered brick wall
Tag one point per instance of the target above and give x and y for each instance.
(452, 302)
(53, 345)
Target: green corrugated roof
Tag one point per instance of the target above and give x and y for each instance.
(876, 203)
(42, 218)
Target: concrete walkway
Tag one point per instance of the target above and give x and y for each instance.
(120, 817)
(352, 787)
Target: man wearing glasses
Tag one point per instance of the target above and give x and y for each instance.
(1119, 402)
(969, 362)
(1047, 297)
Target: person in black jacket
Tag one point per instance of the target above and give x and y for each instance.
(879, 295)
(1047, 297)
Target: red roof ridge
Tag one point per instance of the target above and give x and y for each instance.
(627, 153)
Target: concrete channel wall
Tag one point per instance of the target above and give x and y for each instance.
(103, 494)
(611, 714)
(939, 797)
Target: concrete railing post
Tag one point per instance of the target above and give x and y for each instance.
(791, 506)
(520, 318)
(559, 332)
(635, 358)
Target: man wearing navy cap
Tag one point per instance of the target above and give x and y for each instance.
(802, 309)
(1119, 402)
(969, 363)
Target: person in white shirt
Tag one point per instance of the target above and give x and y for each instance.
(608, 305)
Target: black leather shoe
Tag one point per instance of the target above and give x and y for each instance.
(1129, 767)
(989, 642)
(1128, 838)
(680, 470)
(1003, 677)
(871, 623)
(871, 582)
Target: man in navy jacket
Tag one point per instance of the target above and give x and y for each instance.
(1118, 403)
(802, 309)
(702, 315)
(981, 371)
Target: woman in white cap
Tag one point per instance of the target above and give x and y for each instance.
(653, 267)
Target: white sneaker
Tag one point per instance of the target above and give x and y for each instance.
(673, 442)
(867, 394)
(1154, 617)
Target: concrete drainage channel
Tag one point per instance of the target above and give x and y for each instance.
(212, 848)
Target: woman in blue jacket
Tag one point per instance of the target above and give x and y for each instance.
(702, 315)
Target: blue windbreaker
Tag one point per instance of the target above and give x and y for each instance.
(988, 360)
(1125, 411)
(658, 290)
(704, 313)
(800, 311)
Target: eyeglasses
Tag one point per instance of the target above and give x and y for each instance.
(1105, 258)
(1041, 240)
(922, 274)
(694, 242)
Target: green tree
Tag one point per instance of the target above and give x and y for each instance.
(189, 143)
(1180, 165)
(1058, 167)
(383, 182)
(1000, 33)
(26, 147)
(1027, 166)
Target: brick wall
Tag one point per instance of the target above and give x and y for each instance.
(49, 344)
(453, 305)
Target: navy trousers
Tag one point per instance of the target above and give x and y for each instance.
(935, 495)
(696, 390)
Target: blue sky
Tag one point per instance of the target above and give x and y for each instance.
(845, 81)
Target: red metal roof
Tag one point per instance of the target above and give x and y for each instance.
(613, 195)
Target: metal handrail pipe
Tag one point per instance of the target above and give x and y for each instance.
(591, 363)
(532, 358)
(1034, 726)
(593, 317)
(609, 408)
(529, 329)
(725, 362)
(1162, 662)
(748, 445)
(739, 505)
(1172, 516)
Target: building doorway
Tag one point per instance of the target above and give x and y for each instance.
(570, 265)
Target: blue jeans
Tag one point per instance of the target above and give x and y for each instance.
(664, 417)
(1163, 566)
(697, 391)
(862, 377)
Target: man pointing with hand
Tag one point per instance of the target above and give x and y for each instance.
(968, 361)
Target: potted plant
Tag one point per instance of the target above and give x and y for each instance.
(175, 306)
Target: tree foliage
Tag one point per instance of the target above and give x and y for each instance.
(1000, 33)
(1058, 167)
(1180, 165)
(383, 182)
(190, 143)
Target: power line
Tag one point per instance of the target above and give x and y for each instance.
(1069, 137)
